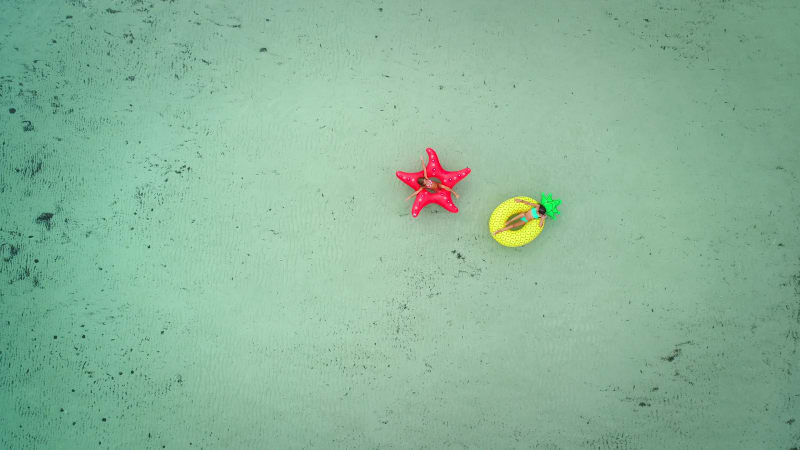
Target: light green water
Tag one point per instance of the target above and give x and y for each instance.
(230, 263)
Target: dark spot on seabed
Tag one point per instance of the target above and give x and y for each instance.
(31, 168)
(44, 218)
(671, 357)
(9, 251)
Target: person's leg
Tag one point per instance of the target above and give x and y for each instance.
(512, 224)
(506, 228)
(515, 218)
(415, 193)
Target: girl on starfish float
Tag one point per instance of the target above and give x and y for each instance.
(537, 211)
(426, 183)
(432, 184)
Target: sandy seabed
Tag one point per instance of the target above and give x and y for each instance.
(203, 243)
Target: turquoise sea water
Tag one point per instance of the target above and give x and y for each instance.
(203, 243)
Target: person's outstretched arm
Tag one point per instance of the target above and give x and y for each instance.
(448, 189)
(519, 200)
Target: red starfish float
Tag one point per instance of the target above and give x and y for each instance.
(441, 196)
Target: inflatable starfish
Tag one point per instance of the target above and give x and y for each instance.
(441, 197)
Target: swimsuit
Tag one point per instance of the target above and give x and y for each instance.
(534, 213)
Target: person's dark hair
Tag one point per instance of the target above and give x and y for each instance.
(421, 181)
(541, 209)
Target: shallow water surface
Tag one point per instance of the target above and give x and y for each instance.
(203, 243)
